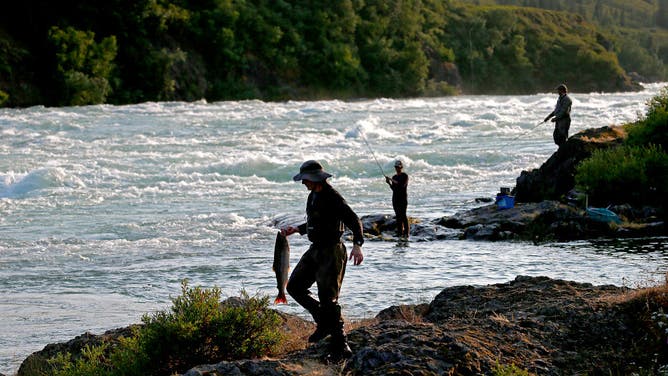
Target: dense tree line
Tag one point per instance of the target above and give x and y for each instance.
(637, 27)
(69, 52)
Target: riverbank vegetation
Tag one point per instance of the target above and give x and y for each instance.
(196, 330)
(120, 51)
(637, 171)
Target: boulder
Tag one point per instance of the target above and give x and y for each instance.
(384, 227)
(556, 177)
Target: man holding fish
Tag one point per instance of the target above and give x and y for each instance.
(324, 263)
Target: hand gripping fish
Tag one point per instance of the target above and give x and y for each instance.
(281, 266)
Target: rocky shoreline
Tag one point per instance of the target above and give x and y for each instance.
(537, 325)
(546, 206)
(534, 221)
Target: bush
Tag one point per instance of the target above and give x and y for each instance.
(197, 330)
(627, 174)
(82, 89)
(509, 370)
(653, 129)
(91, 362)
(83, 66)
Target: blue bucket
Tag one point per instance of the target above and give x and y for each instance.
(505, 201)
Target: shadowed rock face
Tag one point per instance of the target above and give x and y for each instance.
(557, 175)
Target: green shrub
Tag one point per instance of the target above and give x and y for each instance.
(511, 370)
(83, 66)
(196, 330)
(653, 129)
(627, 174)
(83, 90)
(90, 363)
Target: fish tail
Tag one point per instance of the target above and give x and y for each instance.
(281, 299)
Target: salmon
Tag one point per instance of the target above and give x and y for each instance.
(281, 266)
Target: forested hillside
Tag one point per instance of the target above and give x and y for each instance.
(72, 52)
(638, 28)
(614, 13)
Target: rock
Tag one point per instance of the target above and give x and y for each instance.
(377, 224)
(37, 362)
(384, 227)
(397, 347)
(490, 223)
(557, 175)
(403, 312)
(249, 368)
(541, 221)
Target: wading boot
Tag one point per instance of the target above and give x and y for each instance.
(321, 331)
(339, 349)
(338, 343)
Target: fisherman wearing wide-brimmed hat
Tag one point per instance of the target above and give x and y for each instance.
(561, 116)
(324, 263)
(311, 171)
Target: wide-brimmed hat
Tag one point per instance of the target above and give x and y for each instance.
(313, 171)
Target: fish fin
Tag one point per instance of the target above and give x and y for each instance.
(281, 299)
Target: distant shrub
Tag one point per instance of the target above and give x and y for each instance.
(653, 129)
(83, 90)
(3, 97)
(83, 66)
(627, 174)
(197, 330)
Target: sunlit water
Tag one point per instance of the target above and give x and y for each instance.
(104, 210)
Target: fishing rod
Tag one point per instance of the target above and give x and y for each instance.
(371, 150)
(526, 133)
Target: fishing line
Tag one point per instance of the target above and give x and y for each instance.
(371, 150)
(525, 133)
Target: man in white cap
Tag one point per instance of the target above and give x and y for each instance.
(399, 185)
(324, 263)
(561, 116)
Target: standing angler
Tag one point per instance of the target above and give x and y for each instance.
(561, 116)
(399, 185)
(324, 263)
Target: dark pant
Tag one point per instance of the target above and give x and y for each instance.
(560, 134)
(401, 217)
(325, 266)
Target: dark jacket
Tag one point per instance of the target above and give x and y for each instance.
(326, 214)
(400, 188)
(563, 108)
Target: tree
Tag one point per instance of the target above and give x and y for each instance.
(662, 13)
(83, 67)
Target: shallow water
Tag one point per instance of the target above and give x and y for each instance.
(105, 209)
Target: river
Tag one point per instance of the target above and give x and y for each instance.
(104, 210)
